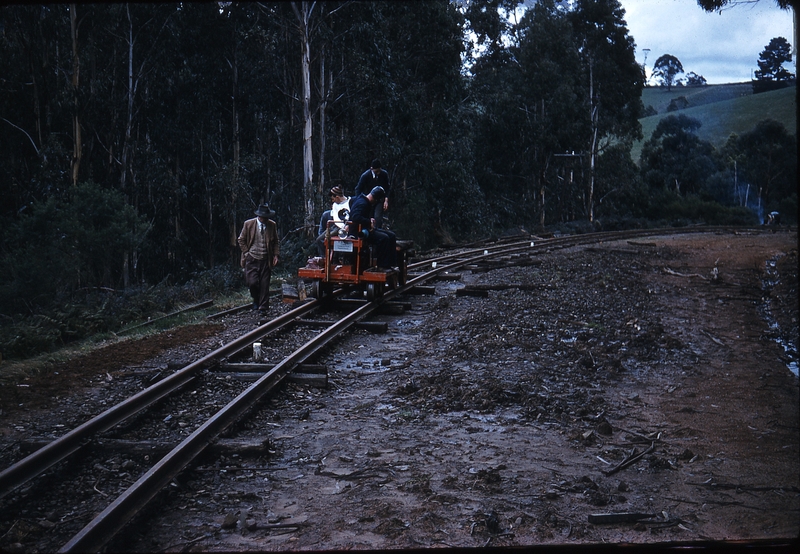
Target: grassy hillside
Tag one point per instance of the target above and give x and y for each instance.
(696, 96)
(722, 109)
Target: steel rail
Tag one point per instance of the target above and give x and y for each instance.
(103, 527)
(61, 448)
(69, 443)
(111, 520)
(570, 240)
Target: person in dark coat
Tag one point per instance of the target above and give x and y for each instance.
(375, 176)
(260, 249)
(361, 214)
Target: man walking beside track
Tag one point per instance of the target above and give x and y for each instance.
(260, 248)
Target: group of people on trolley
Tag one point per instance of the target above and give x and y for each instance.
(362, 215)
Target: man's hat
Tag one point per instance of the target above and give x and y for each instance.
(337, 191)
(376, 164)
(378, 193)
(264, 211)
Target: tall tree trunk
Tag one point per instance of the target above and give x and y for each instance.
(126, 144)
(77, 147)
(237, 145)
(593, 147)
(324, 90)
(303, 17)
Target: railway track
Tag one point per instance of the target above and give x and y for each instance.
(94, 535)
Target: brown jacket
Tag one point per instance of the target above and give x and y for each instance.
(248, 236)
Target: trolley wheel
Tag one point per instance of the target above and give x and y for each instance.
(320, 290)
(374, 291)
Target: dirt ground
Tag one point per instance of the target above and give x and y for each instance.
(651, 376)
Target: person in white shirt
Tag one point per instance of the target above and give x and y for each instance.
(339, 214)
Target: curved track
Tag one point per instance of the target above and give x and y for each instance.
(105, 525)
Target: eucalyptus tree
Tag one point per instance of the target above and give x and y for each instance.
(511, 78)
(35, 145)
(675, 159)
(546, 118)
(719, 5)
(426, 130)
(666, 69)
(396, 93)
(612, 81)
(767, 159)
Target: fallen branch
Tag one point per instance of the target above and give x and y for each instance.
(713, 338)
(671, 272)
(648, 438)
(733, 486)
(151, 321)
(629, 460)
(626, 517)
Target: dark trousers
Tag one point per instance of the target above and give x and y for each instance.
(386, 245)
(378, 215)
(257, 274)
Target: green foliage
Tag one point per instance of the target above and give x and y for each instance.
(622, 195)
(66, 243)
(207, 125)
(695, 210)
(695, 80)
(666, 69)
(679, 103)
(787, 207)
(97, 312)
(529, 109)
(723, 110)
(767, 159)
(771, 75)
(717, 5)
(675, 158)
(771, 60)
(610, 68)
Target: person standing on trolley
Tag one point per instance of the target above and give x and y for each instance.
(362, 209)
(375, 176)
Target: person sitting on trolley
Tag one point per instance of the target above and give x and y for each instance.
(363, 222)
(339, 213)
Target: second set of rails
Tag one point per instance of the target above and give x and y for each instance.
(105, 525)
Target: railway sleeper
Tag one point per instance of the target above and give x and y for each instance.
(373, 326)
(391, 307)
(313, 375)
(309, 379)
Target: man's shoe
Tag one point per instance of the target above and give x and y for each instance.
(255, 305)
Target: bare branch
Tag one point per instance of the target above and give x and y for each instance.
(24, 131)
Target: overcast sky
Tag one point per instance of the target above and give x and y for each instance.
(723, 48)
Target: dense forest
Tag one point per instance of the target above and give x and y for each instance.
(137, 138)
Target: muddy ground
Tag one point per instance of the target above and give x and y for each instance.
(507, 420)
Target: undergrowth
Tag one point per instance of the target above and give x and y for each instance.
(97, 314)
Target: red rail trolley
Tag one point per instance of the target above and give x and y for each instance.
(349, 262)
